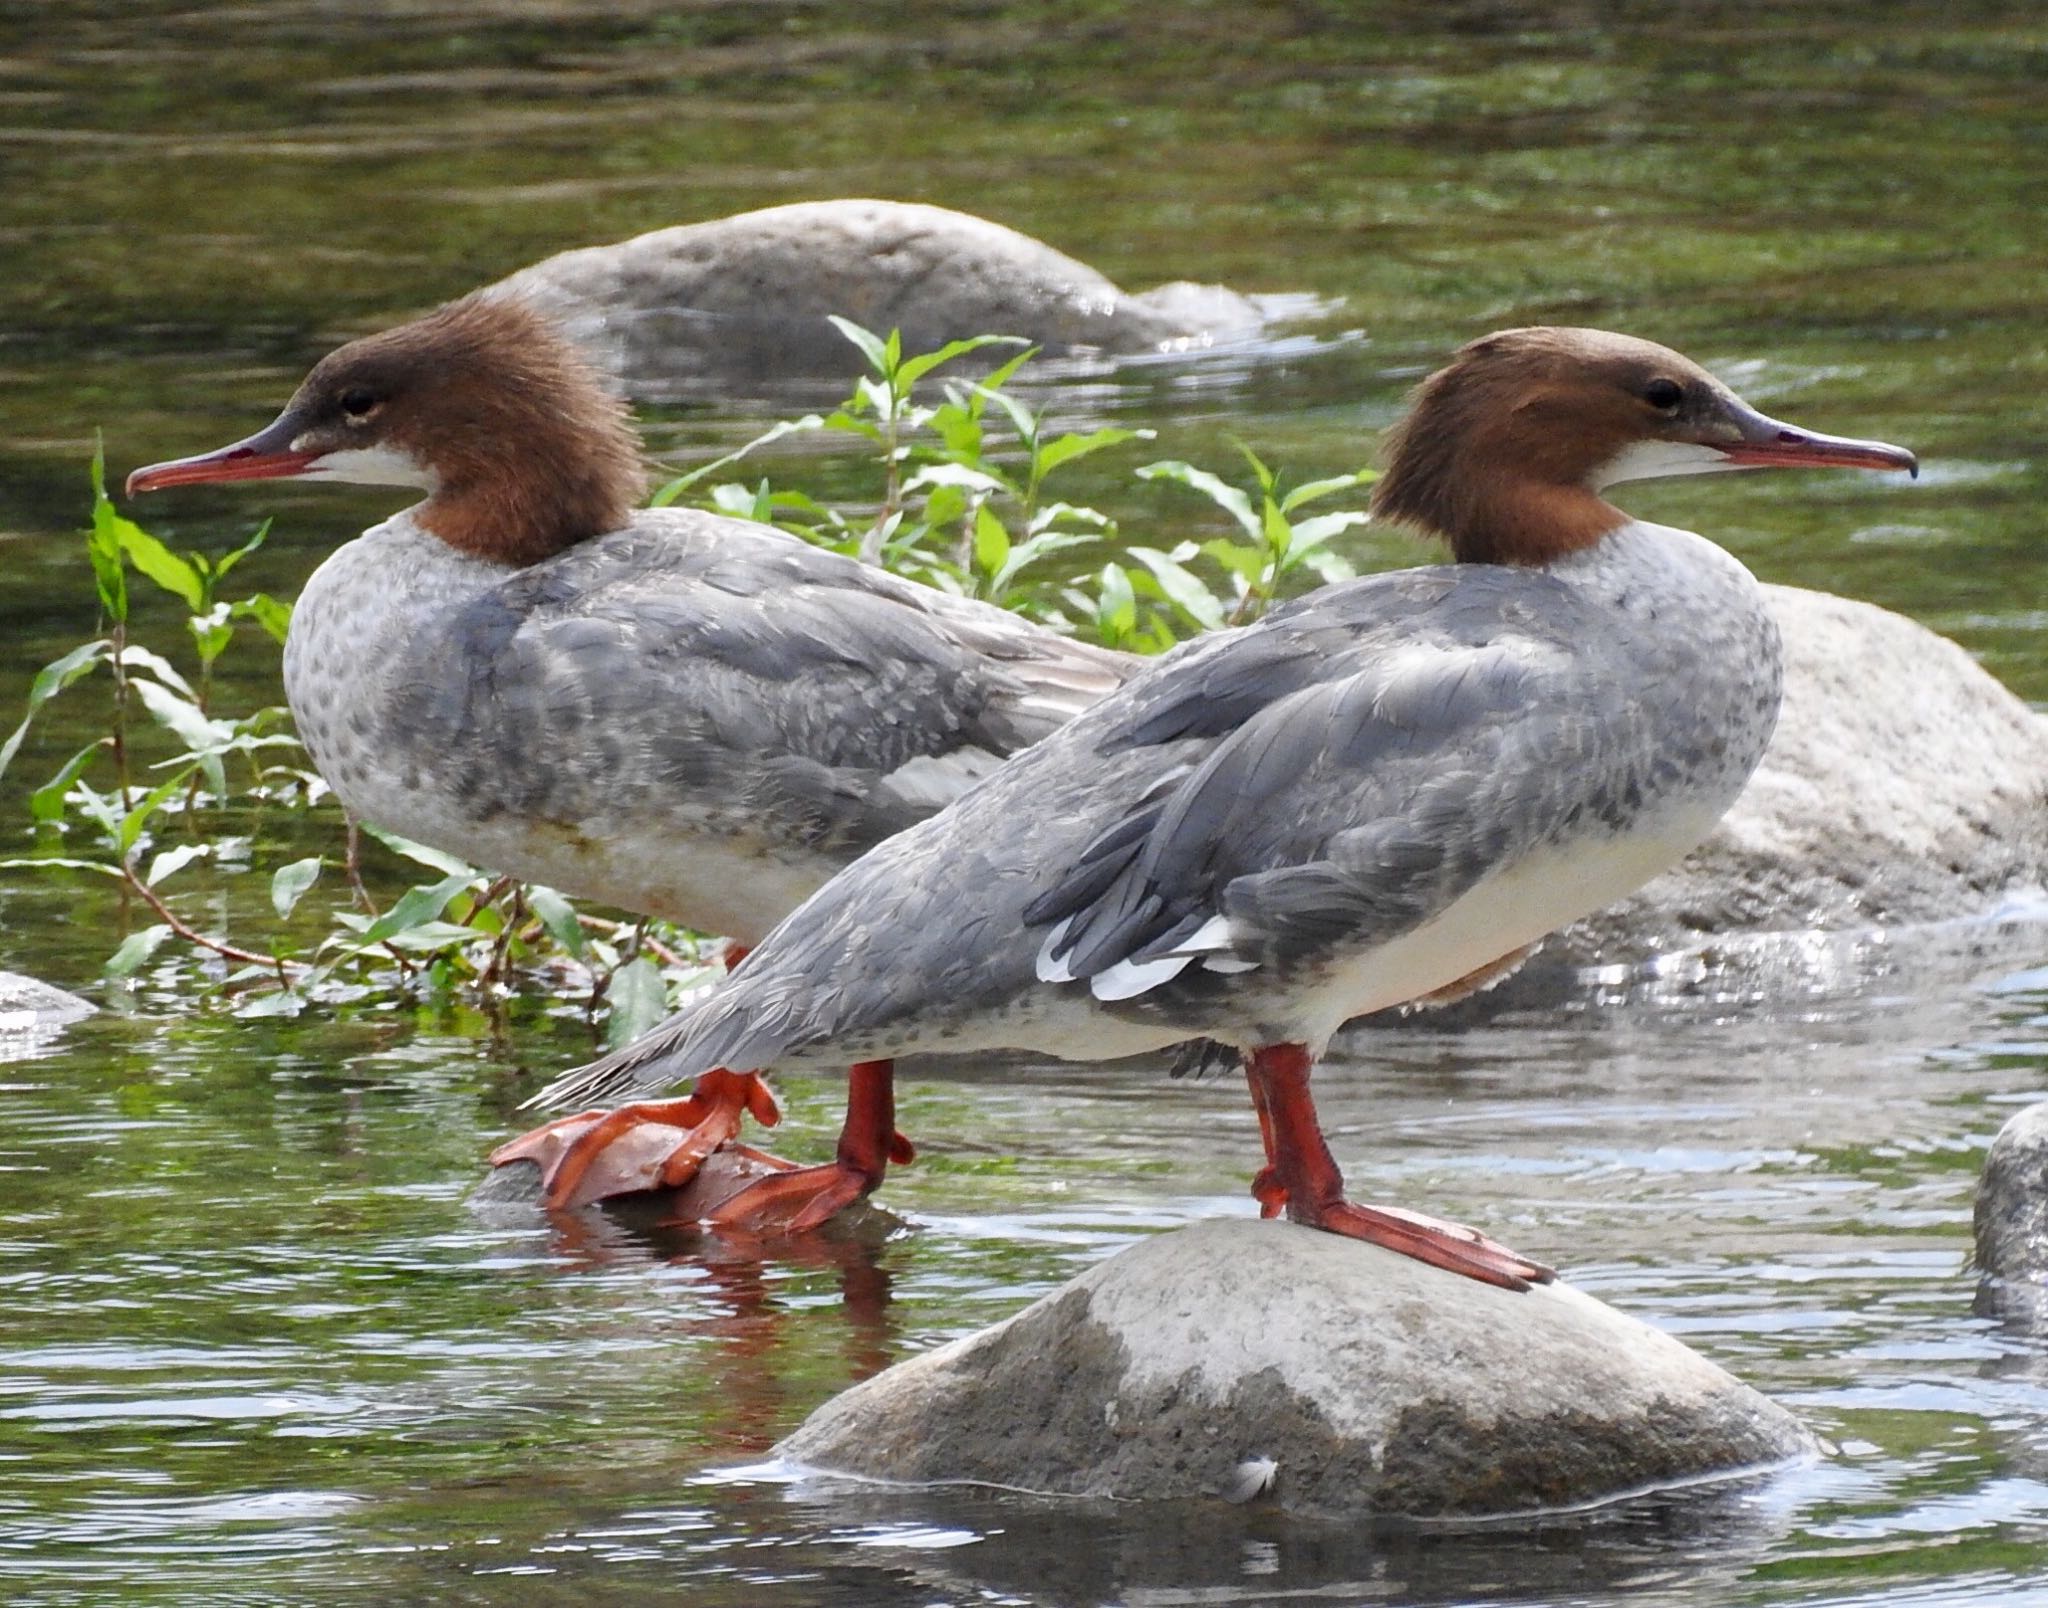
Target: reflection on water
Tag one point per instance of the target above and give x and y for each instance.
(258, 1345)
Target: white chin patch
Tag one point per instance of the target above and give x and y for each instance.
(372, 466)
(1647, 460)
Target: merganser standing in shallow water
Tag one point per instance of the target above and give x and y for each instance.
(686, 715)
(1371, 796)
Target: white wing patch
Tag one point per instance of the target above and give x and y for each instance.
(1212, 945)
(933, 781)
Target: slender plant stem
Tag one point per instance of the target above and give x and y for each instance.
(646, 940)
(192, 935)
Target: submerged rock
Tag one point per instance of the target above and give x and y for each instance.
(2012, 1222)
(33, 1013)
(27, 1005)
(747, 297)
(1261, 1361)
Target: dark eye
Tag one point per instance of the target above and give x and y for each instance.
(358, 404)
(1664, 395)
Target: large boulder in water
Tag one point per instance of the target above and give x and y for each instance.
(746, 298)
(1261, 1361)
(2012, 1222)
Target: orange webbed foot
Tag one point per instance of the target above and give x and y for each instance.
(1451, 1246)
(653, 1144)
(806, 1198)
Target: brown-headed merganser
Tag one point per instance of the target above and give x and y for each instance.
(1373, 795)
(689, 716)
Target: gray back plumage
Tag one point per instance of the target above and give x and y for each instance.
(1314, 785)
(702, 672)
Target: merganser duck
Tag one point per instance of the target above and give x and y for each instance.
(689, 716)
(1376, 794)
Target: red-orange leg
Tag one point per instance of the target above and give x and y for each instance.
(1302, 1174)
(798, 1201)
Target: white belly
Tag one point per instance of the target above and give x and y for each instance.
(1504, 913)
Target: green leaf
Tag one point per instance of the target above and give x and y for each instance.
(870, 345)
(46, 803)
(1022, 419)
(138, 817)
(730, 497)
(103, 543)
(991, 541)
(181, 716)
(202, 735)
(960, 428)
(1311, 491)
(54, 863)
(266, 611)
(1260, 472)
(288, 886)
(211, 631)
(1116, 608)
(1224, 495)
(230, 560)
(418, 906)
(1066, 448)
(846, 423)
(638, 999)
(954, 474)
(1026, 553)
(175, 575)
(429, 937)
(558, 916)
(1328, 565)
(1005, 371)
(943, 505)
(1181, 587)
(1314, 532)
(432, 859)
(1273, 525)
(913, 369)
(1060, 513)
(136, 657)
(52, 679)
(1249, 562)
(173, 860)
(690, 477)
(135, 951)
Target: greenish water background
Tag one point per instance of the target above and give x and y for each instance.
(253, 1344)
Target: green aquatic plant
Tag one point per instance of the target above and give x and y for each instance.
(175, 786)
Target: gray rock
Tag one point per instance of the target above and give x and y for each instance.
(2012, 1222)
(32, 1014)
(1261, 1361)
(30, 1006)
(746, 298)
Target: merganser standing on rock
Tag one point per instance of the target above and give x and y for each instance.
(1371, 796)
(689, 716)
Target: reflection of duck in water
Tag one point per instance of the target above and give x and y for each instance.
(691, 716)
(1377, 794)
(745, 1305)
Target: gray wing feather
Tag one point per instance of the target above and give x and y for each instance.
(735, 668)
(1332, 776)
